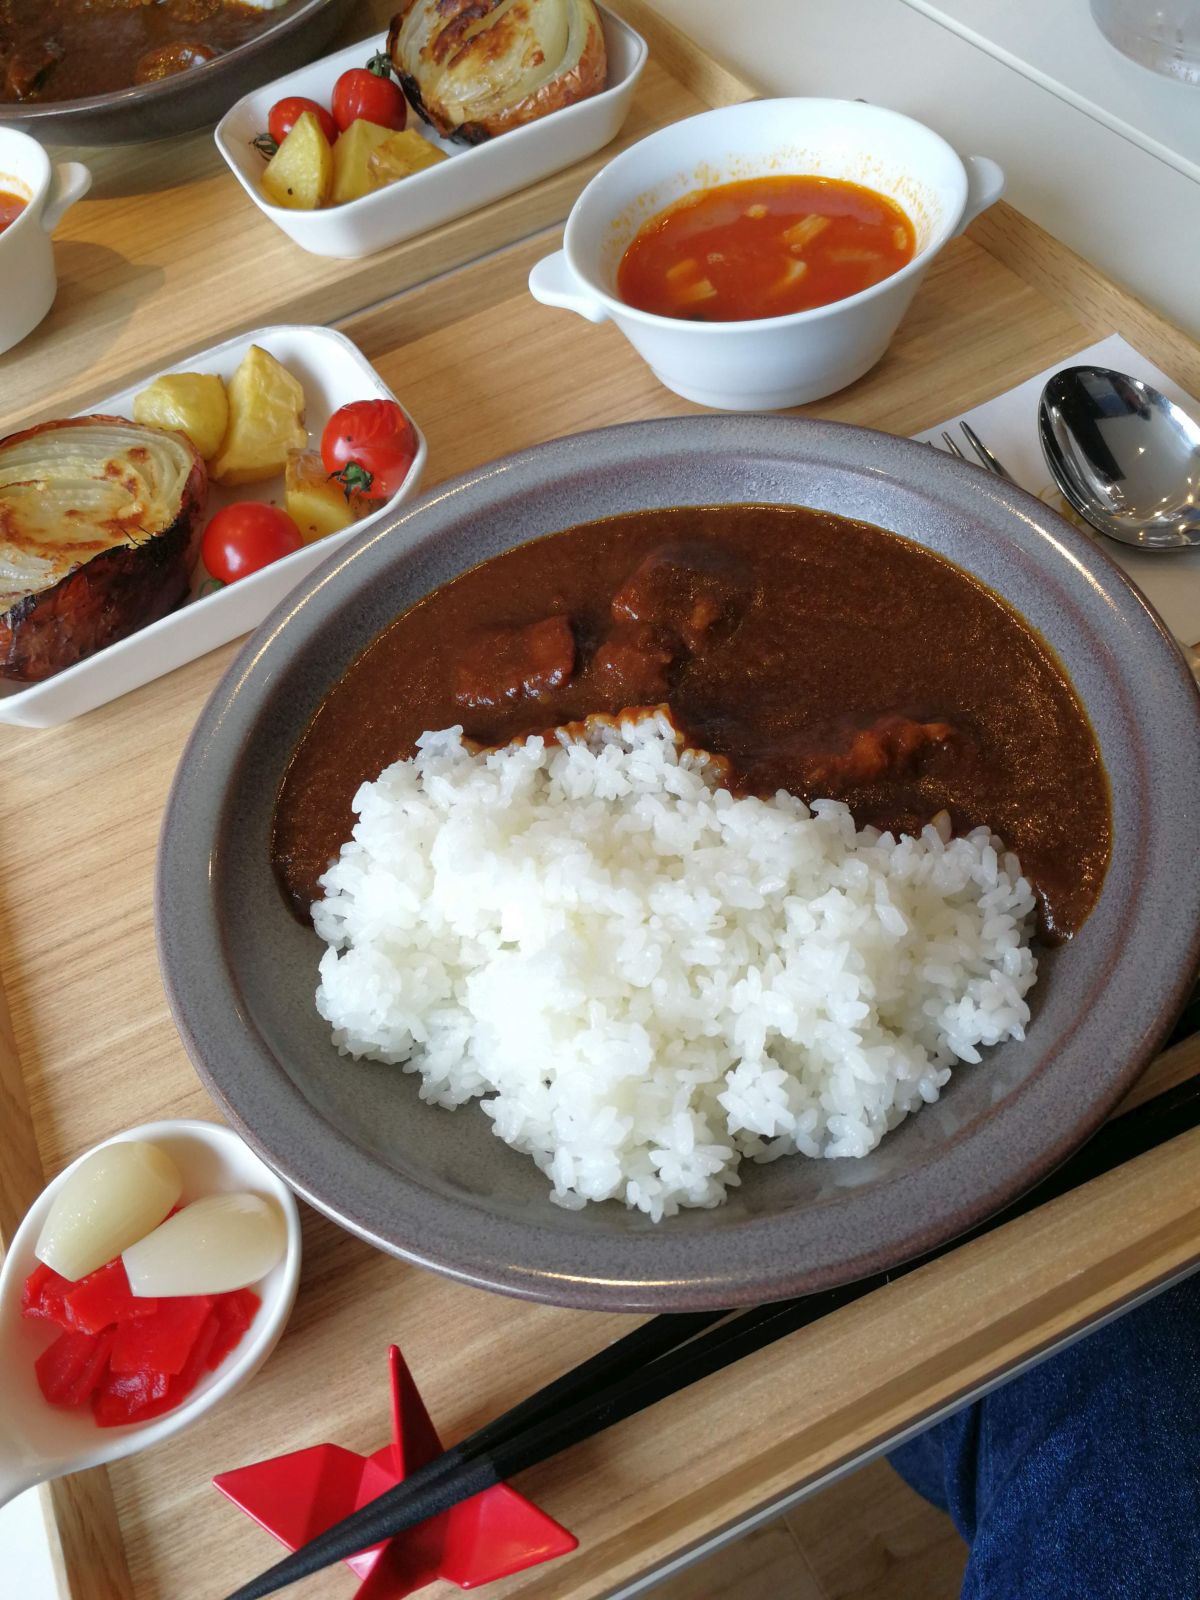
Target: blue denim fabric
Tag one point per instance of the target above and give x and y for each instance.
(1080, 1480)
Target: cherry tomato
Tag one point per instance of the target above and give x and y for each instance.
(246, 536)
(368, 446)
(371, 93)
(286, 113)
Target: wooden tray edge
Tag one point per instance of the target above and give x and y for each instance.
(82, 1509)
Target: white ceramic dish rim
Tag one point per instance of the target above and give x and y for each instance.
(37, 188)
(627, 158)
(112, 1444)
(514, 140)
(144, 637)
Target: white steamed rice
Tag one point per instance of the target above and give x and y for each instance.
(646, 979)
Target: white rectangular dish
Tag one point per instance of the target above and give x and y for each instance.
(332, 372)
(474, 175)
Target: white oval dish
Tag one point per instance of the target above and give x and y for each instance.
(332, 371)
(474, 175)
(39, 1441)
(771, 362)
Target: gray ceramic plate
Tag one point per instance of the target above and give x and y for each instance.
(189, 99)
(437, 1187)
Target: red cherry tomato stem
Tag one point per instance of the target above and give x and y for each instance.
(369, 446)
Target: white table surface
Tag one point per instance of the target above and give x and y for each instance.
(25, 1558)
(1099, 151)
(1060, 46)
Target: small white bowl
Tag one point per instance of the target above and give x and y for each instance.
(474, 175)
(28, 282)
(39, 1441)
(766, 364)
(332, 371)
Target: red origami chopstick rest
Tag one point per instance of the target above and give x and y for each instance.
(297, 1496)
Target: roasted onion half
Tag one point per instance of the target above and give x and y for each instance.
(476, 68)
(100, 524)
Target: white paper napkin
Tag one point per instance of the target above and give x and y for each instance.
(1008, 426)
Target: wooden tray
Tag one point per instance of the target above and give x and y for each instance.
(486, 370)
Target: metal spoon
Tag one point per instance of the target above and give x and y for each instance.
(1126, 457)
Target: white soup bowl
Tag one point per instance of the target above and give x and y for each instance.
(770, 362)
(28, 282)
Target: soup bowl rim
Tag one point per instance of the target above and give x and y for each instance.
(585, 270)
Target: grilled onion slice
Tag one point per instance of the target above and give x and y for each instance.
(476, 68)
(100, 522)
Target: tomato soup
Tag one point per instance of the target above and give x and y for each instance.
(763, 248)
(11, 207)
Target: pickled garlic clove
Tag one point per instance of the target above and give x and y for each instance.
(111, 1200)
(224, 1241)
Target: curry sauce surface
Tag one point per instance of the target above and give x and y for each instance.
(820, 655)
(53, 50)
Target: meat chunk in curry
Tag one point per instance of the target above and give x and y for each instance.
(689, 588)
(633, 663)
(891, 745)
(505, 665)
(812, 653)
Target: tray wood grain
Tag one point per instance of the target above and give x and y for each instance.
(167, 255)
(486, 370)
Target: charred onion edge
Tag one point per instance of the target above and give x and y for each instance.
(586, 78)
(37, 637)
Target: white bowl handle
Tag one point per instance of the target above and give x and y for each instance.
(69, 181)
(985, 185)
(553, 283)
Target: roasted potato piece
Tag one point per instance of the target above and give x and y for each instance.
(193, 403)
(400, 156)
(315, 503)
(351, 176)
(266, 420)
(476, 70)
(300, 173)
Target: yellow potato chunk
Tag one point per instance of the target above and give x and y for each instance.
(266, 420)
(400, 156)
(192, 403)
(805, 231)
(702, 289)
(351, 175)
(300, 172)
(682, 270)
(316, 504)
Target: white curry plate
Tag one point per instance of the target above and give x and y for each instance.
(332, 371)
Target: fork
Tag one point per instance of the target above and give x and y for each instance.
(986, 459)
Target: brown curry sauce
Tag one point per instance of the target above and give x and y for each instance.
(820, 655)
(54, 50)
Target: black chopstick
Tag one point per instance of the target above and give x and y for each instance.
(670, 1353)
(624, 1356)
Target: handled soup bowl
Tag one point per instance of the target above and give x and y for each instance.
(771, 362)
